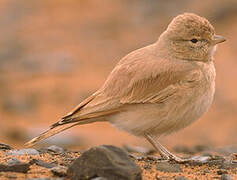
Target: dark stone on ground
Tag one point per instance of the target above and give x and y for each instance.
(43, 164)
(17, 167)
(168, 167)
(5, 146)
(29, 151)
(104, 161)
(55, 149)
(226, 177)
(60, 171)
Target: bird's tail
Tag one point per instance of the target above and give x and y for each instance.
(55, 129)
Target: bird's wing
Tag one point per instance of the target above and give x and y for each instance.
(150, 79)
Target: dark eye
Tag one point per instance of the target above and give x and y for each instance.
(194, 40)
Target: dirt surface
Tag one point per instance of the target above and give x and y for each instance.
(41, 166)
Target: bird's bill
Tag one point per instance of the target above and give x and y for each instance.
(218, 39)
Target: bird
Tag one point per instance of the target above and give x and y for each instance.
(155, 90)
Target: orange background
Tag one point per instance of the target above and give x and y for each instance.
(55, 53)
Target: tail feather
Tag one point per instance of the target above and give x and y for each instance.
(55, 130)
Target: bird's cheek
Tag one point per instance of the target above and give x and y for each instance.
(212, 50)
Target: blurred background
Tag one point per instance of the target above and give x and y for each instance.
(53, 54)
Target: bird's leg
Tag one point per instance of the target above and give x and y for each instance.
(162, 150)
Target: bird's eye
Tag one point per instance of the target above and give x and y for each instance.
(194, 40)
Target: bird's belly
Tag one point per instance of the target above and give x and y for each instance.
(164, 118)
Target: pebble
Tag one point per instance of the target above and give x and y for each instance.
(168, 167)
(23, 152)
(104, 161)
(18, 167)
(55, 149)
(43, 164)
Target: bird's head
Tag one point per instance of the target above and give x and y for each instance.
(190, 37)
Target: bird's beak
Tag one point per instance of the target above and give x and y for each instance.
(218, 39)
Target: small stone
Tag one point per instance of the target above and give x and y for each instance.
(23, 152)
(180, 178)
(202, 159)
(55, 149)
(199, 160)
(5, 147)
(226, 177)
(43, 164)
(18, 167)
(168, 167)
(104, 161)
(60, 171)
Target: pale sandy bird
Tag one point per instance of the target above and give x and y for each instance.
(155, 90)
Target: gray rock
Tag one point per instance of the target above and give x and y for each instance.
(55, 149)
(168, 167)
(43, 164)
(60, 171)
(18, 167)
(29, 151)
(226, 177)
(104, 161)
